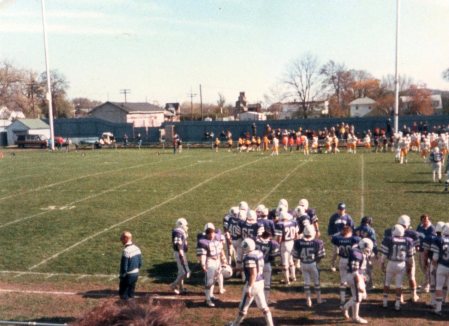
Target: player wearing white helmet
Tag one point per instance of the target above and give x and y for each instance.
(436, 159)
(250, 228)
(343, 242)
(309, 251)
(180, 247)
(230, 221)
(405, 221)
(399, 251)
(270, 249)
(356, 280)
(428, 241)
(243, 210)
(286, 232)
(440, 260)
(262, 218)
(311, 212)
(253, 264)
(211, 256)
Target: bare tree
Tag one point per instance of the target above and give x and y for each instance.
(303, 80)
(388, 82)
(59, 85)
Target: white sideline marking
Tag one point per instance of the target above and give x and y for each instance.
(362, 192)
(86, 198)
(280, 182)
(20, 273)
(79, 178)
(142, 213)
(39, 292)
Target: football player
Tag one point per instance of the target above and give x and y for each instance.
(311, 212)
(253, 264)
(336, 223)
(309, 251)
(399, 251)
(343, 242)
(230, 223)
(436, 159)
(180, 247)
(286, 232)
(250, 228)
(425, 230)
(440, 260)
(270, 249)
(211, 256)
(404, 220)
(355, 279)
(262, 219)
(366, 230)
(427, 245)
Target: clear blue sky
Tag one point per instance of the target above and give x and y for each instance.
(161, 49)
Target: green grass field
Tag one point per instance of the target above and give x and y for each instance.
(62, 213)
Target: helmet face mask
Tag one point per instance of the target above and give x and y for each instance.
(300, 210)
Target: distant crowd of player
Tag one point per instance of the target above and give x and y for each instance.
(251, 240)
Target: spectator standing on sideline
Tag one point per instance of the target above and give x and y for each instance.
(130, 264)
(139, 140)
(175, 142)
(125, 140)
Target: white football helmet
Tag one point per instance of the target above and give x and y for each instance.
(300, 210)
(260, 210)
(209, 226)
(283, 202)
(285, 216)
(182, 223)
(366, 245)
(445, 232)
(226, 271)
(309, 231)
(404, 220)
(280, 209)
(248, 245)
(243, 206)
(234, 211)
(251, 218)
(436, 149)
(439, 227)
(304, 202)
(398, 230)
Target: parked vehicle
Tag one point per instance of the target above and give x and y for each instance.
(39, 141)
(107, 139)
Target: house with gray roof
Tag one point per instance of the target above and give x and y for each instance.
(27, 127)
(139, 114)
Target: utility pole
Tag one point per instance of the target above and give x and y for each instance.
(125, 92)
(201, 102)
(396, 76)
(192, 95)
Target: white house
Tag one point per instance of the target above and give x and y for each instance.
(252, 116)
(139, 114)
(315, 109)
(7, 114)
(27, 127)
(361, 107)
(437, 102)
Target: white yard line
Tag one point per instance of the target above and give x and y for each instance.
(48, 275)
(362, 186)
(86, 198)
(282, 181)
(141, 213)
(81, 177)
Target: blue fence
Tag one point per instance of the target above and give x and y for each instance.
(195, 131)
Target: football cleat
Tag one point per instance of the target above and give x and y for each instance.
(210, 304)
(360, 321)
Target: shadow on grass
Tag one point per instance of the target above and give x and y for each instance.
(167, 272)
(435, 192)
(49, 320)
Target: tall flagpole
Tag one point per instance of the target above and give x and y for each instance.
(48, 95)
(396, 77)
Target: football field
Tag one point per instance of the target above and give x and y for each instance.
(61, 214)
